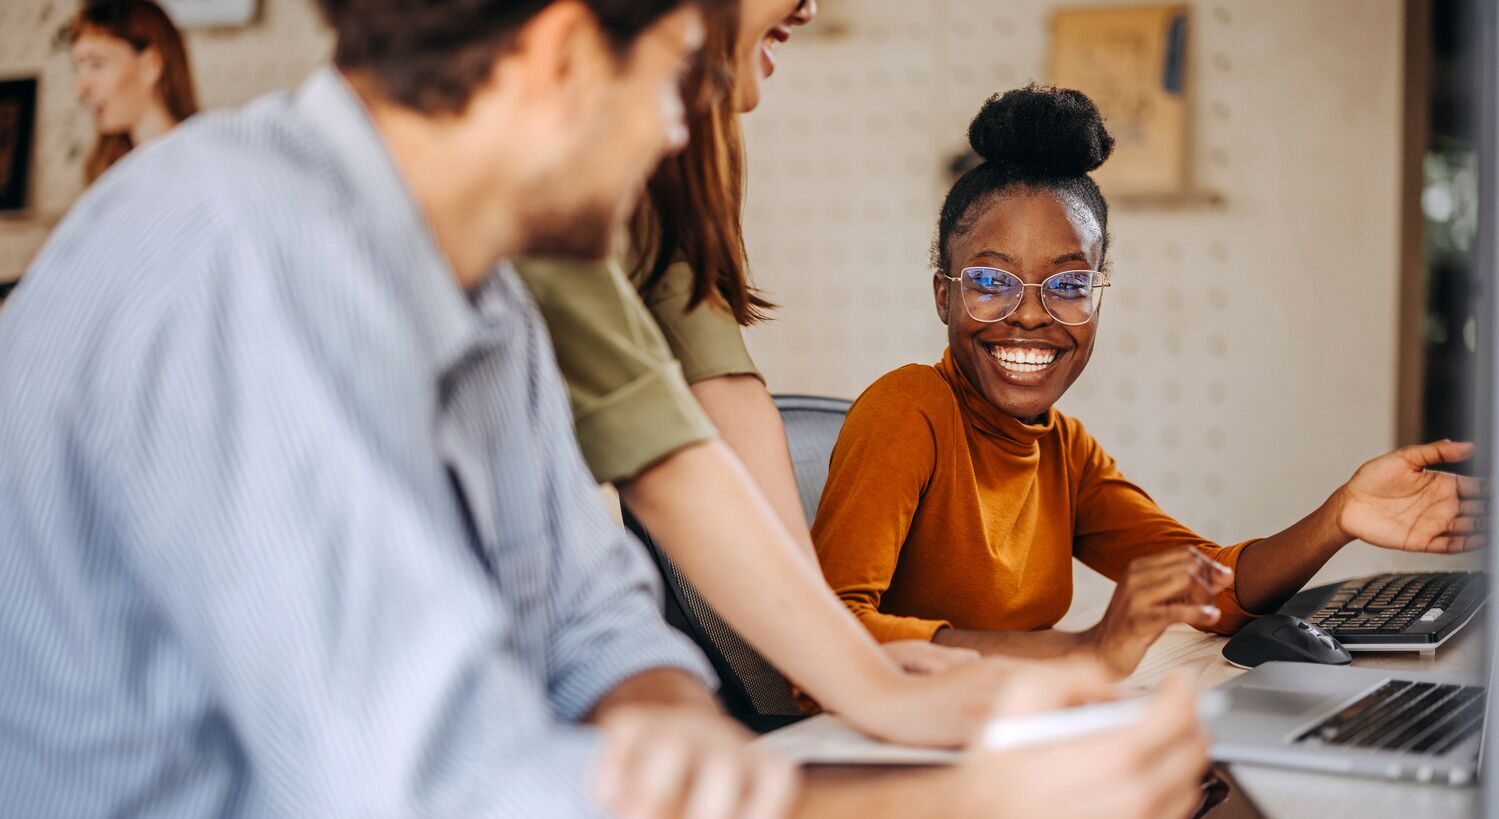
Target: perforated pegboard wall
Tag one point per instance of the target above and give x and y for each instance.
(1246, 359)
(230, 66)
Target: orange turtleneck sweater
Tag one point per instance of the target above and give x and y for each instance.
(941, 510)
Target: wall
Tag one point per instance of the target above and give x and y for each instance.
(230, 66)
(1246, 360)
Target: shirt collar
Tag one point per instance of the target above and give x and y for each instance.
(1013, 434)
(407, 261)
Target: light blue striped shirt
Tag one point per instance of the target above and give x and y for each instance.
(290, 525)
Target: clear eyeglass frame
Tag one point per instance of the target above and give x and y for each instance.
(1096, 282)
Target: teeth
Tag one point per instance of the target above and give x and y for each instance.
(1023, 359)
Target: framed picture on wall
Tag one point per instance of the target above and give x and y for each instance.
(211, 13)
(1132, 60)
(17, 135)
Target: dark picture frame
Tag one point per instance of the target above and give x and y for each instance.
(17, 138)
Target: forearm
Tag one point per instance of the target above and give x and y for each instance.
(1044, 644)
(748, 421)
(1273, 569)
(703, 508)
(871, 793)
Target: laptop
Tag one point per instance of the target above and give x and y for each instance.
(1357, 721)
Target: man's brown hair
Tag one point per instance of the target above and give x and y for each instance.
(430, 55)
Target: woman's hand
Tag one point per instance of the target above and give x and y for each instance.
(1393, 501)
(923, 657)
(1172, 587)
(939, 709)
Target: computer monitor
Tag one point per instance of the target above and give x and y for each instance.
(1488, 370)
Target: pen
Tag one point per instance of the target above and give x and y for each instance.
(1055, 726)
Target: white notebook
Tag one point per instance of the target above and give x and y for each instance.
(828, 740)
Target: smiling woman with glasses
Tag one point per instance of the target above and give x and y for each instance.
(958, 496)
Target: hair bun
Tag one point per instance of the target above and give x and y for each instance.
(1041, 132)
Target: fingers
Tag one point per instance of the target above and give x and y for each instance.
(1466, 526)
(1189, 562)
(1177, 767)
(1170, 585)
(1033, 688)
(1468, 487)
(1175, 781)
(1436, 452)
(659, 781)
(773, 787)
(717, 786)
(1219, 575)
(621, 743)
(1473, 508)
(1203, 616)
(1456, 544)
(1179, 581)
(1163, 755)
(1173, 715)
(656, 764)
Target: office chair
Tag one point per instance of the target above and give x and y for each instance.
(752, 690)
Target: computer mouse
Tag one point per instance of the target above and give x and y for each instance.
(1285, 638)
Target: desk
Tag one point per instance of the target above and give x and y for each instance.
(1285, 794)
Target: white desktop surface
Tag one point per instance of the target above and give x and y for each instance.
(1285, 794)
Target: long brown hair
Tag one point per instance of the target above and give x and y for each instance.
(694, 205)
(142, 24)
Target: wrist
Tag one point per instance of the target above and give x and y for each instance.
(1095, 644)
(660, 687)
(1088, 644)
(1334, 513)
(865, 689)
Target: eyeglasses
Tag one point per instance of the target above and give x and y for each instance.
(1071, 297)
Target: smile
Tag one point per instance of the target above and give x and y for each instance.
(768, 46)
(1027, 360)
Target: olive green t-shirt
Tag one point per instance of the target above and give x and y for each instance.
(630, 398)
(707, 340)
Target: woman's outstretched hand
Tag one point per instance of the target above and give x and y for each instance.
(1395, 502)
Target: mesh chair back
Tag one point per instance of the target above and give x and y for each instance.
(752, 690)
(812, 427)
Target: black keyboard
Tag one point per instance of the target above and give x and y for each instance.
(1417, 608)
(1409, 717)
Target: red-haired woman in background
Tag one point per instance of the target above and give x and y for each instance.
(132, 74)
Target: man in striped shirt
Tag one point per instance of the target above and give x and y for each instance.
(292, 522)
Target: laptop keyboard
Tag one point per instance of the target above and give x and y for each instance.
(1409, 717)
(1392, 604)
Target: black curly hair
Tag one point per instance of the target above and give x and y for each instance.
(1036, 137)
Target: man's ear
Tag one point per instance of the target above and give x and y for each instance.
(557, 54)
(940, 291)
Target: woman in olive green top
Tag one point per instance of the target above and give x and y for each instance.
(657, 370)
